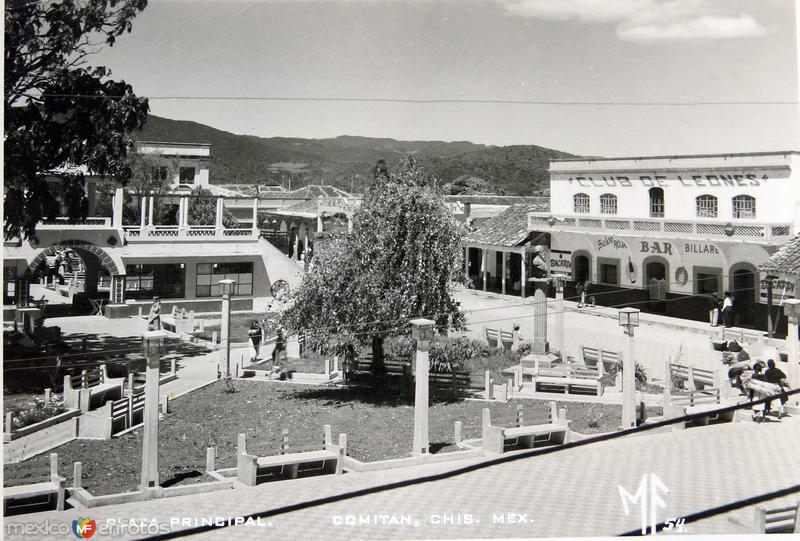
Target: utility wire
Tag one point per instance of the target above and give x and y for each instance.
(440, 101)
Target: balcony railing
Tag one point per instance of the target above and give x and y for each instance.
(657, 227)
(191, 233)
(92, 222)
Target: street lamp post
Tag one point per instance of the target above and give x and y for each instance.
(629, 319)
(791, 307)
(226, 288)
(152, 347)
(422, 332)
(559, 280)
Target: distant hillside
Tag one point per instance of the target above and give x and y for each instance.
(245, 159)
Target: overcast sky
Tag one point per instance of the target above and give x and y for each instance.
(517, 50)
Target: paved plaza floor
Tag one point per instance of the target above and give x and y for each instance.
(657, 339)
(572, 492)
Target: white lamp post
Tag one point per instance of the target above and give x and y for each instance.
(791, 307)
(226, 288)
(629, 319)
(559, 280)
(422, 332)
(152, 347)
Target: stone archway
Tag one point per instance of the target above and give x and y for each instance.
(94, 257)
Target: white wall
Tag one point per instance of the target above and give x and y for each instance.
(776, 187)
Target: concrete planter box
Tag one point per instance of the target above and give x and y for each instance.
(41, 425)
(118, 311)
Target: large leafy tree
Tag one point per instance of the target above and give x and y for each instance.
(63, 117)
(401, 261)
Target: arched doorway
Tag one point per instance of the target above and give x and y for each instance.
(743, 282)
(656, 280)
(86, 271)
(581, 268)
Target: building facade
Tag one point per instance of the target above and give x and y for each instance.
(666, 232)
(187, 164)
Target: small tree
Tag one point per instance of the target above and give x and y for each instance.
(203, 210)
(63, 116)
(401, 261)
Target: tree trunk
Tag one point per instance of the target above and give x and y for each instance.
(378, 365)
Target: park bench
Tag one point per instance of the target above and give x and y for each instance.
(694, 378)
(360, 370)
(458, 384)
(695, 402)
(784, 519)
(91, 388)
(743, 336)
(542, 426)
(180, 323)
(499, 339)
(599, 358)
(567, 377)
(47, 492)
(307, 458)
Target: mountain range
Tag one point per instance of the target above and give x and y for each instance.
(347, 161)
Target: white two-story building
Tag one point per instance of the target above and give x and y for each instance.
(664, 232)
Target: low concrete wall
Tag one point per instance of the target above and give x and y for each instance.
(356, 465)
(47, 423)
(40, 441)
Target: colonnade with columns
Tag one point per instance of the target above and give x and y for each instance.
(484, 269)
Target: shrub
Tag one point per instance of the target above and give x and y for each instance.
(594, 416)
(36, 411)
(639, 374)
(449, 354)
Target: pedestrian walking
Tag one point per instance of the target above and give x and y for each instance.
(580, 290)
(254, 336)
(713, 309)
(154, 318)
(728, 309)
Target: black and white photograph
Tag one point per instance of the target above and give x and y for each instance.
(401, 269)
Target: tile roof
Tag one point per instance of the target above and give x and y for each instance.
(509, 228)
(313, 191)
(786, 260)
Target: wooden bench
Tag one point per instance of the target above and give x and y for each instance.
(600, 359)
(91, 388)
(322, 458)
(695, 402)
(361, 369)
(567, 377)
(496, 338)
(694, 378)
(777, 520)
(542, 426)
(743, 336)
(465, 384)
(48, 493)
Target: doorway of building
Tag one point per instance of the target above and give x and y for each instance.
(743, 284)
(581, 269)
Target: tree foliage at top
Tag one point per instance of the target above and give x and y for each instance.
(471, 185)
(401, 261)
(62, 116)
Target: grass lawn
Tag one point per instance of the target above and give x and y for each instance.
(377, 426)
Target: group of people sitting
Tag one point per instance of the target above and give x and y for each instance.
(758, 381)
